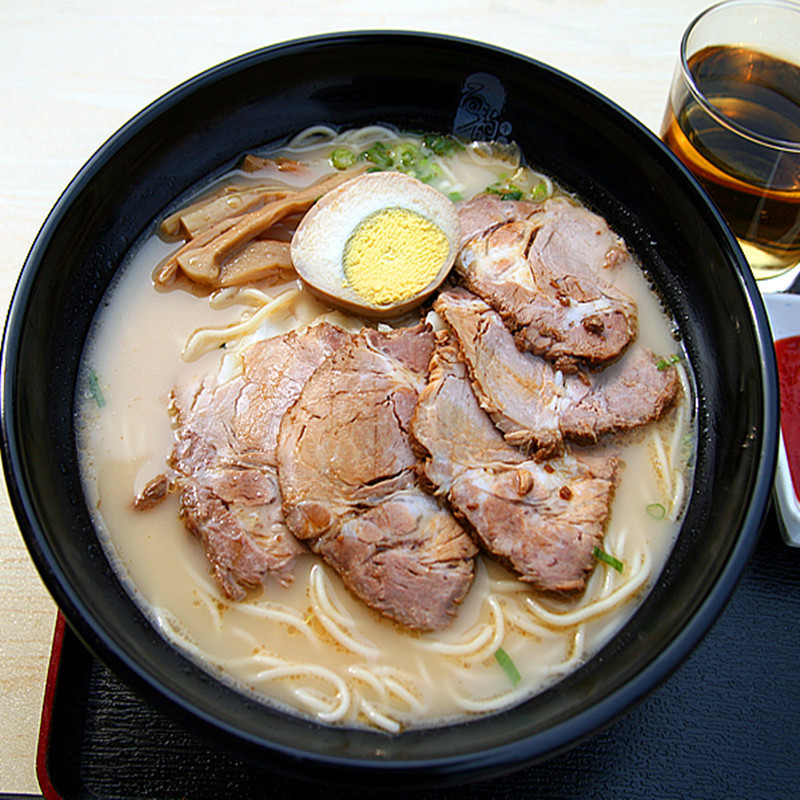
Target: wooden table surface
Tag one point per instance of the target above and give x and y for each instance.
(72, 73)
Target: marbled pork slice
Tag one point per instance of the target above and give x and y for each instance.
(224, 458)
(630, 394)
(487, 211)
(536, 407)
(349, 481)
(519, 391)
(275, 371)
(541, 519)
(544, 269)
(345, 441)
(406, 557)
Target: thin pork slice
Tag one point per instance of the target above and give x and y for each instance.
(345, 443)
(543, 520)
(224, 458)
(519, 391)
(628, 395)
(485, 212)
(407, 557)
(535, 405)
(275, 371)
(349, 481)
(545, 269)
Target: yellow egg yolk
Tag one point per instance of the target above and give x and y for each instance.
(393, 254)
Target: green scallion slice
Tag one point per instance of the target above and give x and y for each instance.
(380, 155)
(656, 510)
(606, 558)
(441, 145)
(539, 192)
(423, 170)
(665, 363)
(505, 191)
(342, 158)
(406, 155)
(94, 388)
(509, 667)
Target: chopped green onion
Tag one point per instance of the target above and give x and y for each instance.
(441, 145)
(424, 170)
(665, 363)
(342, 158)
(656, 510)
(456, 197)
(539, 192)
(606, 558)
(406, 155)
(506, 191)
(380, 155)
(94, 388)
(509, 667)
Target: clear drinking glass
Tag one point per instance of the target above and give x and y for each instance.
(733, 117)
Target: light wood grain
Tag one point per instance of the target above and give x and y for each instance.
(72, 73)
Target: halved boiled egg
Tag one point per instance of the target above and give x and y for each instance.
(379, 244)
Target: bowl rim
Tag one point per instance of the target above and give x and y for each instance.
(565, 733)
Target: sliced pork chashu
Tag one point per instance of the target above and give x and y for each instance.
(405, 556)
(628, 395)
(537, 407)
(345, 442)
(543, 266)
(349, 481)
(543, 519)
(224, 458)
(519, 391)
(275, 371)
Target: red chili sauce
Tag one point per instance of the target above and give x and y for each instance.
(788, 353)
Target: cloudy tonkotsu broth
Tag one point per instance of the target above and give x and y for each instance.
(313, 648)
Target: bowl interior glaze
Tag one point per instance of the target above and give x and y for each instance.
(420, 82)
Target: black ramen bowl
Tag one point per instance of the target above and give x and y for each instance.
(416, 82)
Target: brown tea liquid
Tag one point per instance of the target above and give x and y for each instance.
(755, 186)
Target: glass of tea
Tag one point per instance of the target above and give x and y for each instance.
(733, 118)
